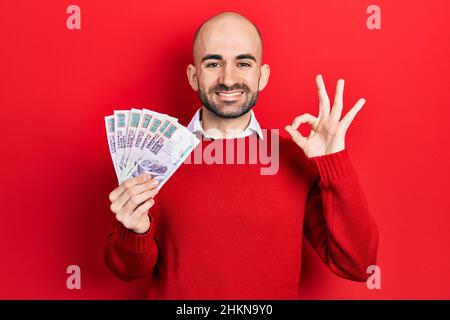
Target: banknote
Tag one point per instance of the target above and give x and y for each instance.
(110, 124)
(120, 127)
(133, 122)
(144, 141)
(146, 128)
(164, 152)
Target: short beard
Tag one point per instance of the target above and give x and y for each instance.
(243, 109)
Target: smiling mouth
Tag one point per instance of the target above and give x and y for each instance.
(229, 94)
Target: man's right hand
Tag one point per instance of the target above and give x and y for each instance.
(132, 199)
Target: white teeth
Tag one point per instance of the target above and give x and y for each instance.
(230, 94)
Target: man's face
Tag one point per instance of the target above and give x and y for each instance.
(227, 73)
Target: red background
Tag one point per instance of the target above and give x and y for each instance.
(56, 85)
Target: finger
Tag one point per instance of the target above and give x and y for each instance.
(116, 193)
(345, 123)
(338, 103)
(132, 191)
(305, 118)
(324, 101)
(137, 200)
(143, 209)
(133, 220)
(296, 136)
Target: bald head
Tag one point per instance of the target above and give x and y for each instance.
(227, 29)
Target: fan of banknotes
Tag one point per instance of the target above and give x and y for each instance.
(145, 141)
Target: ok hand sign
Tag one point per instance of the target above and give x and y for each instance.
(327, 132)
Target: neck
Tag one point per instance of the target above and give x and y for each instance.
(223, 127)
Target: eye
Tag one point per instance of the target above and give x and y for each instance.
(212, 65)
(244, 64)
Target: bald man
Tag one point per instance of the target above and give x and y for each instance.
(223, 230)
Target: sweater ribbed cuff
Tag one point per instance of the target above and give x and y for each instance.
(333, 166)
(137, 242)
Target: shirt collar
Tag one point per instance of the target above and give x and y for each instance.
(195, 126)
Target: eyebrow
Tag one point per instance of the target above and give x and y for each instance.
(219, 57)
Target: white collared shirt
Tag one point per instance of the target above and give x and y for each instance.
(195, 126)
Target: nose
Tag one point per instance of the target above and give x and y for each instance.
(227, 76)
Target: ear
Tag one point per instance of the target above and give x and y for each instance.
(192, 77)
(264, 78)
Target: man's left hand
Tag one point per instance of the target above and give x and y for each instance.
(327, 132)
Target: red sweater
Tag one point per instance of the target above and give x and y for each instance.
(224, 231)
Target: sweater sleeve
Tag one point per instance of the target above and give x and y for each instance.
(129, 255)
(337, 222)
